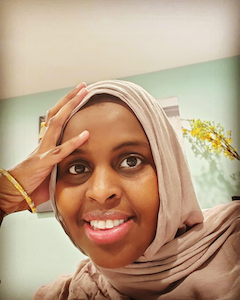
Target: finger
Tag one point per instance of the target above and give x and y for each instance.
(57, 154)
(53, 157)
(55, 125)
(63, 101)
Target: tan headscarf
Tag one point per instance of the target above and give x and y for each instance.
(187, 242)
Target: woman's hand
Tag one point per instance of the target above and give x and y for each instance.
(34, 173)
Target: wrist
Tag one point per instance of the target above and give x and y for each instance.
(13, 197)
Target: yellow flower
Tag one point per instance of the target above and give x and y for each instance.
(226, 153)
(229, 141)
(193, 132)
(213, 136)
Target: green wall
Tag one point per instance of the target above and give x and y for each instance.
(34, 249)
(209, 91)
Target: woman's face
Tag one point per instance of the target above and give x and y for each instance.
(107, 190)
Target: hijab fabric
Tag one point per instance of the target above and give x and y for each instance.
(187, 240)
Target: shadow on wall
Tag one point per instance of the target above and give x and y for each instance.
(213, 174)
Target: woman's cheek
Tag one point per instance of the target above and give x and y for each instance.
(66, 199)
(144, 196)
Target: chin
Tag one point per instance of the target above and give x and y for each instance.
(113, 262)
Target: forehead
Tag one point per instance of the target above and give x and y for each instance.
(105, 111)
(103, 98)
(103, 101)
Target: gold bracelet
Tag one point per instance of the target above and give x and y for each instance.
(20, 189)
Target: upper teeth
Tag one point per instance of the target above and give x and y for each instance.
(101, 224)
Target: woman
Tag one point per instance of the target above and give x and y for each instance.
(122, 192)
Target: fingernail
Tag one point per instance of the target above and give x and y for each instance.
(56, 151)
(81, 91)
(81, 84)
(84, 134)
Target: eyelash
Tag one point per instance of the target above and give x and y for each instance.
(86, 169)
(138, 162)
(74, 167)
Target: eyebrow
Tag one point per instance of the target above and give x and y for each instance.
(122, 145)
(131, 143)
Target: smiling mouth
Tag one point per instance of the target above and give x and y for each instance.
(108, 231)
(108, 224)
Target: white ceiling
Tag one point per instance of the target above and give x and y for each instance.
(53, 44)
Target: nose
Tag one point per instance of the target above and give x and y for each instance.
(103, 185)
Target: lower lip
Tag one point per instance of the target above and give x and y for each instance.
(108, 236)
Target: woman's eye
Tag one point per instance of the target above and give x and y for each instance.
(78, 169)
(131, 162)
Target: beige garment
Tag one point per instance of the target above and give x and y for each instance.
(189, 258)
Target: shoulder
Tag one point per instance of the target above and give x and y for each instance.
(59, 288)
(223, 213)
(86, 283)
(223, 223)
